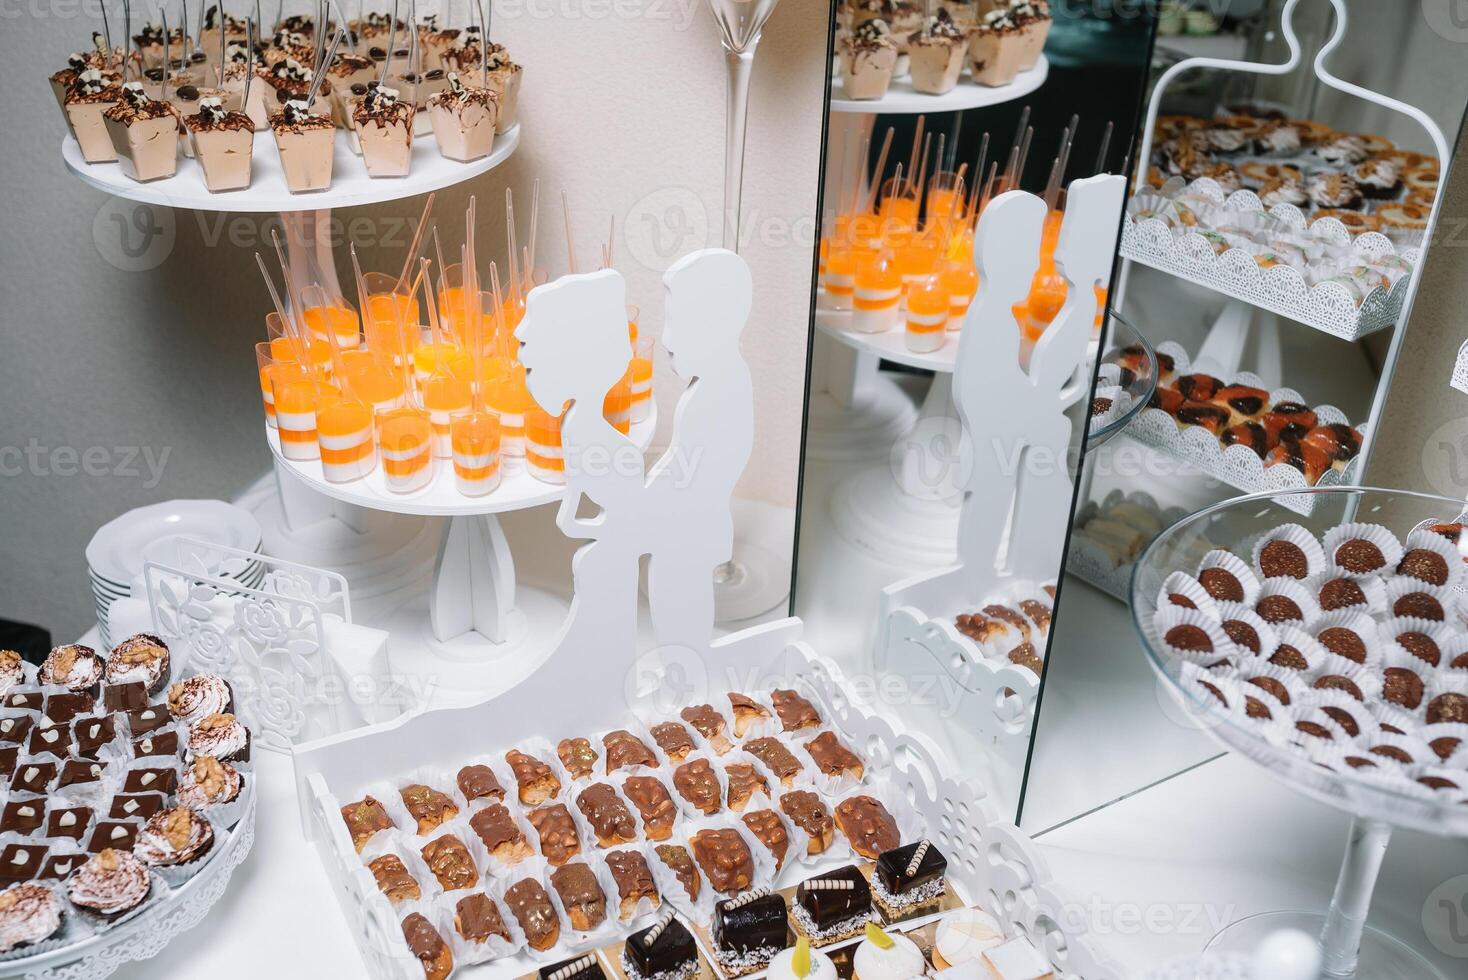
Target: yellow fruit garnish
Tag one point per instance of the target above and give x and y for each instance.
(800, 962)
(878, 938)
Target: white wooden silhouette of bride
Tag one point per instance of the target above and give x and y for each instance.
(575, 348)
(709, 293)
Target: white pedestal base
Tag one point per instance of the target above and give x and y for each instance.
(1383, 957)
(873, 512)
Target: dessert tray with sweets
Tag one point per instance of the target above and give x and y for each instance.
(1335, 655)
(1238, 431)
(1125, 381)
(127, 804)
(308, 107)
(891, 57)
(769, 827)
(1112, 532)
(1313, 270)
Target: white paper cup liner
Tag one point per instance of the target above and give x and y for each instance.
(1181, 589)
(644, 905)
(1332, 588)
(572, 940)
(1295, 534)
(1382, 539)
(637, 833)
(1227, 561)
(1295, 645)
(1279, 613)
(467, 952)
(1411, 634)
(1351, 715)
(1247, 629)
(1406, 750)
(1393, 720)
(1285, 686)
(1439, 545)
(1449, 741)
(1444, 781)
(1311, 724)
(501, 770)
(1334, 630)
(1191, 636)
(1335, 673)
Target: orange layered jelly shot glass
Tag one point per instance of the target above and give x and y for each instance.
(405, 439)
(616, 408)
(840, 275)
(444, 396)
(325, 322)
(877, 294)
(475, 438)
(346, 435)
(297, 403)
(275, 364)
(927, 315)
(510, 399)
(543, 456)
(441, 358)
(374, 382)
(961, 280)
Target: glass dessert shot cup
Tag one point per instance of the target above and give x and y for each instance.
(961, 280)
(315, 357)
(144, 134)
(639, 379)
(383, 121)
(405, 441)
(927, 315)
(475, 437)
(89, 97)
(616, 407)
(543, 454)
(374, 380)
(877, 294)
(339, 320)
(275, 364)
(347, 437)
(464, 119)
(297, 402)
(445, 396)
(510, 399)
(223, 142)
(505, 82)
(306, 142)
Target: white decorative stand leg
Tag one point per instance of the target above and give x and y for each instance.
(474, 584)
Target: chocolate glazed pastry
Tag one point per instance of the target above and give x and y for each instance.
(428, 806)
(559, 841)
(577, 756)
(502, 837)
(697, 783)
(581, 895)
(1339, 442)
(808, 812)
(634, 881)
(834, 759)
(654, 805)
(536, 781)
(744, 780)
(725, 860)
(867, 825)
(428, 946)
(673, 739)
(476, 918)
(708, 723)
(796, 713)
(480, 783)
(1251, 435)
(769, 830)
(394, 879)
(609, 817)
(449, 860)
(625, 750)
(1168, 400)
(1212, 417)
(532, 908)
(1198, 387)
(678, 861)
(776, 758)
(747, 712)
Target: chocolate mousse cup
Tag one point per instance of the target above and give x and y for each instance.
(234, 87)
(869, 67)
(223, 143)
(505, 81)
(89, 97)
(464, 120)
(385, 132)
(144, 134)
(307, 144)
(996, 52)
(937, 57)
(347, 72)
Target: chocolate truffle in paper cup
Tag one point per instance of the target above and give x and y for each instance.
(1423, 639)
(1349, 634)
(1288, 551)
(1361, 549)
(1412, 597)
(1192, 636)
(1432, 559)
(1449, 741)
(1226, 577)
(1336, 590)
(1181, 589)
(1285, 686)
(1447, 700)
(1286, 600)
(1296, 649)
(1311, 724)
(1247, 628)
(1405, 750)
(1347, 712)
(1335, 673)
(1440, 778)
(1393, 720)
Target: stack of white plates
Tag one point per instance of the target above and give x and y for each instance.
(115, 553)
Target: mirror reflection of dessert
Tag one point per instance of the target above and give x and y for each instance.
(307, 144)
(223, 144)
(144, 132)
(936, 55)
(869, 59)
(384, 124)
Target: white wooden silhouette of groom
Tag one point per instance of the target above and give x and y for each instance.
(575, 348)
(708, 302)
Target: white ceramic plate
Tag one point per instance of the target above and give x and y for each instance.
(115, 553)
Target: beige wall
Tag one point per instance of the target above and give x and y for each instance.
(115, 340)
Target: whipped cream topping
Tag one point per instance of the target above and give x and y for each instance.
(143, 656)
(12, 670)
(73, 665)
(292, 70)
(380, 98)
(497, 58)
(29, 913)
(173, 837)
(289, 39)
(109, 882)
(91, 82)
(219, 735)
(197, 697)
(133, 94)
(208, 783)
(1378, 173)
(99, 45)
(212, 109)
(873, 31)
(237, 53)
(1343, 149)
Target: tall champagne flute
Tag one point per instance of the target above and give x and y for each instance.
(740, 23)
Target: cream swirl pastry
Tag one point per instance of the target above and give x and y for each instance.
(1343, 150)
(143, 658)
(220, 736)
(29, 913)
(209, 783)
(175, 836)
(1282, 190)
(72, 666)
(1330, 190)
(12, 671)
(198, 697)
(110, 882)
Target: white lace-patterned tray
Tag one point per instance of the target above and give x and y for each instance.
(1326, 306)
(1238, 466)
(1089, 563)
